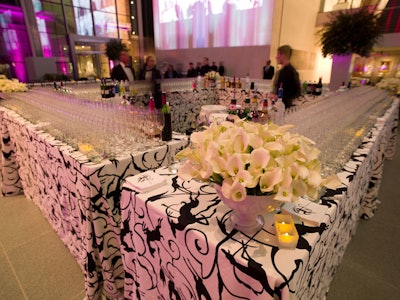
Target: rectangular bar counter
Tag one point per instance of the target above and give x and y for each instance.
(79, 198)
(177, 240)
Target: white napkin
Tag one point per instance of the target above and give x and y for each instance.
(145, 181)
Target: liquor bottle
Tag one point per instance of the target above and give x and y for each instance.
(309, 88)
(264, 116)
(166, 134)
(238, 84)
(280, 91)
(116, 88)
(232, 107)
(103, 87)
(318, 88)
(273, 111)
(280, 112)
(222, 82)
(228, 83)
(312, 89)
(254, 107)
(127, 89)
(199, 80)
(122, 88)
(247, 81)
(246, 113)
(152, 104)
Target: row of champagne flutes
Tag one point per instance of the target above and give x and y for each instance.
(339, 123)
(107, 128)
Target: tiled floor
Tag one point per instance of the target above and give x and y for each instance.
(370, 269)
(34, 263)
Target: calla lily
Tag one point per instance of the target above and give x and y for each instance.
(246, 179)
(269, 179)
(255, 141)
(284, 194)
(237, 192)
(188, 170)
(259, 158)
(206, 170)
(314, 179)
(241, 141)
(299, 171)
(235, 164)
(245, 157)
(274, 147)
(299, 188)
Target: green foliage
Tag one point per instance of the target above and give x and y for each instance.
(113, 48)
(350, 31)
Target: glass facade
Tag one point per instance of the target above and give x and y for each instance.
(62, 27)
(13, 40)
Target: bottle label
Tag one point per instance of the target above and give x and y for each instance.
(280, 93)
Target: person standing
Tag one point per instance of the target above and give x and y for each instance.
(149, 72)
(171, 73)
(214, 67)
(191, 72)
(221, 69)
(123, 71)
(287, 77)
(205, 67)
(268, 70)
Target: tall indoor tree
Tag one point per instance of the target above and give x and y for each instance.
(348, 32)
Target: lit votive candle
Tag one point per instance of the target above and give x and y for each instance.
(286, 232)
(287, 240)
(284, 227)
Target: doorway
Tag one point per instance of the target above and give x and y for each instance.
(91, 61)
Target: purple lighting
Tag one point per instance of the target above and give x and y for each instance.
(14, 37)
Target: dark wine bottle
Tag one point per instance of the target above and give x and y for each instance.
(166, 134)
(318, 88)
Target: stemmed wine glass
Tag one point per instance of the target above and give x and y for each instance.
(158, 123)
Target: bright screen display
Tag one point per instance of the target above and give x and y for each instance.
(186, 24)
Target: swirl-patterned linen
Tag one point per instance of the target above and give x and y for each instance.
(80, 199)
(177, 243)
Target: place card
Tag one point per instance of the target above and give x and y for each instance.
(146, 181)
(306, 210)
(286, 231)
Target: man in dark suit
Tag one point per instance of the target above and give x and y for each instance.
(123, 71)
(268, 70)
(287, 77)
(205, 67)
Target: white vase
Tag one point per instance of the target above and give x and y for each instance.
(247, 214)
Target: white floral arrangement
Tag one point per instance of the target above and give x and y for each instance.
(390, 84)
(13, 85)
(247, 158)
(213, 75)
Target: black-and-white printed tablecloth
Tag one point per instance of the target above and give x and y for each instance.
(177, 242)
(80, 199)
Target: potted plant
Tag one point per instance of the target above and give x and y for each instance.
(348, 32)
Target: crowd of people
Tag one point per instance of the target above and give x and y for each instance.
(287, 78)
(124, 71)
